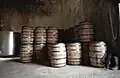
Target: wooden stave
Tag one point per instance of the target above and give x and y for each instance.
(59, 65)
(57, 55)
(96, 63)
(58, 61)
(74, 55)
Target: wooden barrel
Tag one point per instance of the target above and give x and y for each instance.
(26, 53)
(27, 35)
(86, 31)
(74, 53)
(52, 35)
(40, 35)
(57, 54)
(97, 51)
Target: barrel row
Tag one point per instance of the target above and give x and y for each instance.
(83, 32)
(58, 50)
(40, 35)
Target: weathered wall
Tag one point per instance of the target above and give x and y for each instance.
(68, 13)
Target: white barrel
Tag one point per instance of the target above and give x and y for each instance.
(97, 51)
(27, 35)
(74, 53)
(57, 54)
(58, 65)
(26, 53)
(40, 35)
(52, 35)
(58, 62)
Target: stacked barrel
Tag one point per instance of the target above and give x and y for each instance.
(52, 35)
(57, 53)
(74, 53)
(26, 44)
(97, 51)
(86, 32)
(40, 43)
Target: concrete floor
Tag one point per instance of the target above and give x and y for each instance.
(13, 69)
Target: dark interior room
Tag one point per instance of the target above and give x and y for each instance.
(59, 38)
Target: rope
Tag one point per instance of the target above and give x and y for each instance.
(114, 34)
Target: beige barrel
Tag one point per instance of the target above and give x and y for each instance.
(86, 32)
(52, 35)
(26, 53)
(27, 34)
(57, 54)
(74, 53)
(97, 51)
(40, 35)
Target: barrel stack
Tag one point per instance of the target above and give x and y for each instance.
(56, 51)
(57, 54)
(86, 33)
(26, 44)
(40, 43)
